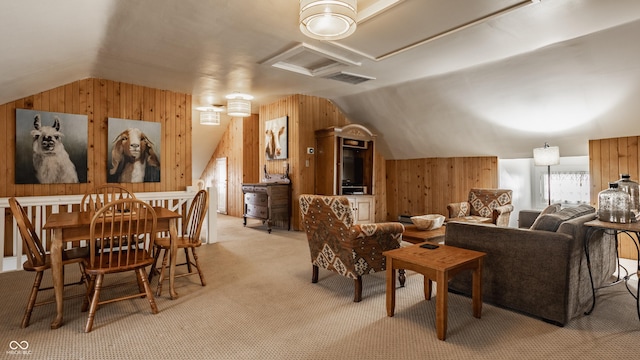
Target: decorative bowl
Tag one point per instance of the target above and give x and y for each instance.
(428, 222)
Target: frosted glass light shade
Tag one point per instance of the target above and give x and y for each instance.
(328, 19)
(210, 118)
(547, 155)
(238, 107)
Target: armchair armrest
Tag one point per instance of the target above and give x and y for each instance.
(459, 209)
(386, 235)
(501, 215)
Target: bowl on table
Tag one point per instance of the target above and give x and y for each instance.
(428, 222)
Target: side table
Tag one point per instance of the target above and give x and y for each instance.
(437, 265)
(629, 229)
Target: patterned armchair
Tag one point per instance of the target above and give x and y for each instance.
(336, 244)
(486, 204)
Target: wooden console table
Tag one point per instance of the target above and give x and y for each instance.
(267, 202)
(414, 235)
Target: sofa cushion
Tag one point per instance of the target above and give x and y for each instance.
(548, 210)
(552, 221)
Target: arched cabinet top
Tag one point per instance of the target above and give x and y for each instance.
(354, 131)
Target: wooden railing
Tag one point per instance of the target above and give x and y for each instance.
(39, 207)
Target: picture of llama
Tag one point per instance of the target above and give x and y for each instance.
(51, 148)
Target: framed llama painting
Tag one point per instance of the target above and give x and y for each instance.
(276, 138)
(51, 148)
(134, 151)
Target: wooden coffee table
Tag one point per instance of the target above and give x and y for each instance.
(414, 235)
(437, 265)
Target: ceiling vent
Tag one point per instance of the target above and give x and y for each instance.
(349, 77)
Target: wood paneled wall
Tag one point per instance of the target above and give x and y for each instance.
(426, 186)
(306, 115)
(101, 99)
(239, 144)
(608, 158)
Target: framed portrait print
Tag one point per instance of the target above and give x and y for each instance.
(277, 138)
(51, 148)
(134, 151)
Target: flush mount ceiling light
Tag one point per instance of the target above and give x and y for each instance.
(210, 115)
(328, 19)
(239, 104)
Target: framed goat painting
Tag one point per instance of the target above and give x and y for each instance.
(51, 148)
(134, 151)
(276, 138)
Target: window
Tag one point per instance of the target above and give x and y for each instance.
(567, 187)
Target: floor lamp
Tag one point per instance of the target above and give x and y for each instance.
(547, 156)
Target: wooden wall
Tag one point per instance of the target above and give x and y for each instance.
(608, 158)
(101, 99)
(426, 186)
(239, 145)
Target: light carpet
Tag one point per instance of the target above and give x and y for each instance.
(259, 303)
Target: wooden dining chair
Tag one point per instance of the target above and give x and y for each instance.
(101, 195)
(125, 218)
(38, 260)
(189, 241)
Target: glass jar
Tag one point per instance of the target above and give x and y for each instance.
(614, 205)
(631, 187)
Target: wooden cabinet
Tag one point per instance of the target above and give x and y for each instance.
(345, 166)
(268, 202)
(363, 208)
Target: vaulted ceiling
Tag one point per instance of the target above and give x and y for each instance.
(443, 77)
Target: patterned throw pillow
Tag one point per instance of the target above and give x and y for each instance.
(548, 210)
(552, 221)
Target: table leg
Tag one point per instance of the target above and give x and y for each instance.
(427, 288)
(58, 277)
(476, 292)
(442, 295)
(391, 287)
(173, 233)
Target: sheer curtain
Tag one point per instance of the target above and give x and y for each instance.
(567, 187)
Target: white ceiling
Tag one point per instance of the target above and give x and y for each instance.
(516, 73)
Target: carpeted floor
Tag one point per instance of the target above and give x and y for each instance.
(259, 303)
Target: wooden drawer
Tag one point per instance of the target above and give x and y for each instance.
(261, 212)
(247, 188)
(256, 199)
(260, 189)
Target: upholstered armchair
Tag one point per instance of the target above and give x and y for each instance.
(336, 244)
(484, 205)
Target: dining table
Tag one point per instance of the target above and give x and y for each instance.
(72, 226)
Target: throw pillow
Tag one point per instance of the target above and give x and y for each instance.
(548, 210)
(551, 222)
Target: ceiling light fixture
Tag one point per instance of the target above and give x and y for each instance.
(239, 104)
(210, 115)
(328, 19)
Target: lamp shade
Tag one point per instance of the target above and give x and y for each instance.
(239, 104)
(210, 118)
(328, 19)
(547, 155)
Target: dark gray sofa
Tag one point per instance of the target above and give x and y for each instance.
(540, 273)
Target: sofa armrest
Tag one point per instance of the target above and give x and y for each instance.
(459, 209)
(526, 218)
(525, 270)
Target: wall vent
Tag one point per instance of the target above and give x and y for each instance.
(349, 77)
